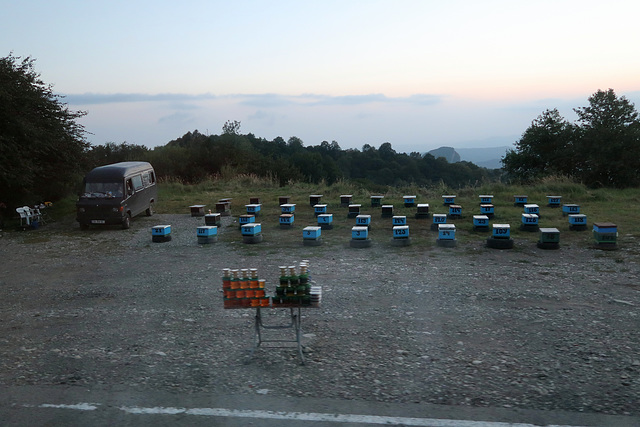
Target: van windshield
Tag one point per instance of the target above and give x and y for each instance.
(102, 190)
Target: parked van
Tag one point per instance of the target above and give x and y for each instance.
(113, 194)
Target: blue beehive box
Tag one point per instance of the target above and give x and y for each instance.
(439, 219)
(320, 209)
(447, 231)
(251, 229)
(480, 221)
(161, 230)
(578, 220)
(286, 219)
(311, 232)
(448, 200)
(207, 231)
(486, 199)
(325, 219)
(207, 234)
(569, 209)
(363, 220)
(487, 209)
(532, 209)
(359, 233)
(161, 233)
(605, 227)
(253, 208)
(554, 201)
(399, 220)
(501, 231)
(529, 219)
(455, 211)
(409, 201)
(520, 200)
(401, 232)
(246, 219)
(288, 208)
(605, 234)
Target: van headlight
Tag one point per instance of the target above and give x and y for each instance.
(81, 210)
(115, 209)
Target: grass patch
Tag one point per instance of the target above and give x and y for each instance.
(600, 205)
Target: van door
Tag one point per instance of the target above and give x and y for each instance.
(129, 187)
(138, 202)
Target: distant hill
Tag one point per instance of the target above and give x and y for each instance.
(448, 153)
(486, 157)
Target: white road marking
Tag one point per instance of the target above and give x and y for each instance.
(77, 406)
(295, 416)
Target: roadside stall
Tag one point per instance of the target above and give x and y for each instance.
(243, 289)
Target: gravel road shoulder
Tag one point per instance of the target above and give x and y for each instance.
(522, 328)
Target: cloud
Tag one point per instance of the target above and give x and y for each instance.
(423, 99)
(176, 119)
(363, 116)
(102, 98)
(268, 119)
(184, 106)
(347, 99)
(266, 100)
(263, 100)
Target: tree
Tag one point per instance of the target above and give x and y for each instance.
(609, 141)
(42, 147)
(386, 151)
(546, 147)
(112, 153)
(231, 127)
(295, 144)
(601, 149)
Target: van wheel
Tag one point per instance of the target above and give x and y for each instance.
(149, 210)
(126, 222)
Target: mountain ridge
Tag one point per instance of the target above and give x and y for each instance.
(487, 157)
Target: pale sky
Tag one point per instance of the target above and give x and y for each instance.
(417, 74)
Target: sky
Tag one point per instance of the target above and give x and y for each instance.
(416, 74)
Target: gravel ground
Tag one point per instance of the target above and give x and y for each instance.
(522, 328)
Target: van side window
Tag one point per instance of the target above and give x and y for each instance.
(148, 178)
(137, 182)
(129, 187)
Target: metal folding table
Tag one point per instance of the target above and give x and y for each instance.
(294, 323)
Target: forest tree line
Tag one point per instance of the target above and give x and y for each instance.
(194, 157)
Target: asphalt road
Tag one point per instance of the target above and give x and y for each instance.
(53, 406)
